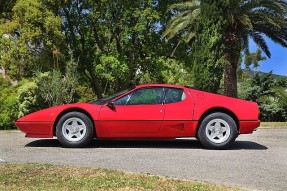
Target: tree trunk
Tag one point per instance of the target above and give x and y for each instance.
(230, 80)
(3, 72)
(232, 54)
(95, 83)
(132, 61)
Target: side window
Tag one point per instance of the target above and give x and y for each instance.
(174, 95)
(142, 97)
(123, 100)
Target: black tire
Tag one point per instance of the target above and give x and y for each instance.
(217, 131)
(75, 130)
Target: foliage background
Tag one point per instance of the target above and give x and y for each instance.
(54, 52)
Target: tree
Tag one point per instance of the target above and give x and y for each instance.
(251, 19)
(207, 58)
(247, 19)
(272, 101)
(28, 38)
(281, 92)
(8, 104)
(204, 22)
(258, 86)
(114, 41)
(6, 9)
(169, 71)
(183, 21)
(253, 58)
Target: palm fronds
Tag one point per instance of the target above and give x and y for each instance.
(183, 20)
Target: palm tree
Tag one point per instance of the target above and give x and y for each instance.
(251, 19)
(246, 19)
(184, 20)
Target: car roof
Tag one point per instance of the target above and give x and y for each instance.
(159, 85)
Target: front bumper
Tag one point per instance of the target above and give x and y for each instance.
(36, 129)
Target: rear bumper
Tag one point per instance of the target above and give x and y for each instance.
(36, 129)
(246, 127)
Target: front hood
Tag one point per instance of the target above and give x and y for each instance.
(51, 114)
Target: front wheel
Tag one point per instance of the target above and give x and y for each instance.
(74, 129)
(217, 131)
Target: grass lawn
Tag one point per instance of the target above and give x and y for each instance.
(51, 177)
(273, 124)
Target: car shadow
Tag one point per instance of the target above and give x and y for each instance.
(160, 144)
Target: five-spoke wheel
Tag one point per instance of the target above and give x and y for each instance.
(217, 131)
(74, 129)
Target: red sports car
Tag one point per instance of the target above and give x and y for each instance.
(153, 111)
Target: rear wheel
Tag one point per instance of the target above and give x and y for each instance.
(75, 129)
(217, 131)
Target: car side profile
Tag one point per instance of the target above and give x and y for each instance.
(151, 111)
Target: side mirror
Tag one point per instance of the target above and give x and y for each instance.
(111, 105)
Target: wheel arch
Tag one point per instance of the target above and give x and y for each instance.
(218, 109)
(75, 109)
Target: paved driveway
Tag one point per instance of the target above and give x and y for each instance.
(257, 161)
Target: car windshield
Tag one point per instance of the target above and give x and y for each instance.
(105, 100)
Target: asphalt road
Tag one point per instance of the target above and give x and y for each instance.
(257, 161)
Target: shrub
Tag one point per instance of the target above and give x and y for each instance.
(55, 88)
(84, 94)
(8, 108)
(272, 112)
(8, 104)
(28, 99)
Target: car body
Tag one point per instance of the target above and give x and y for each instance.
(150, 111)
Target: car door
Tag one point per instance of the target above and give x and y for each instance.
(178, 104)
(138, 114)
(178, 107)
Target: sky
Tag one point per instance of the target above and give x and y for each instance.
(278, 61)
